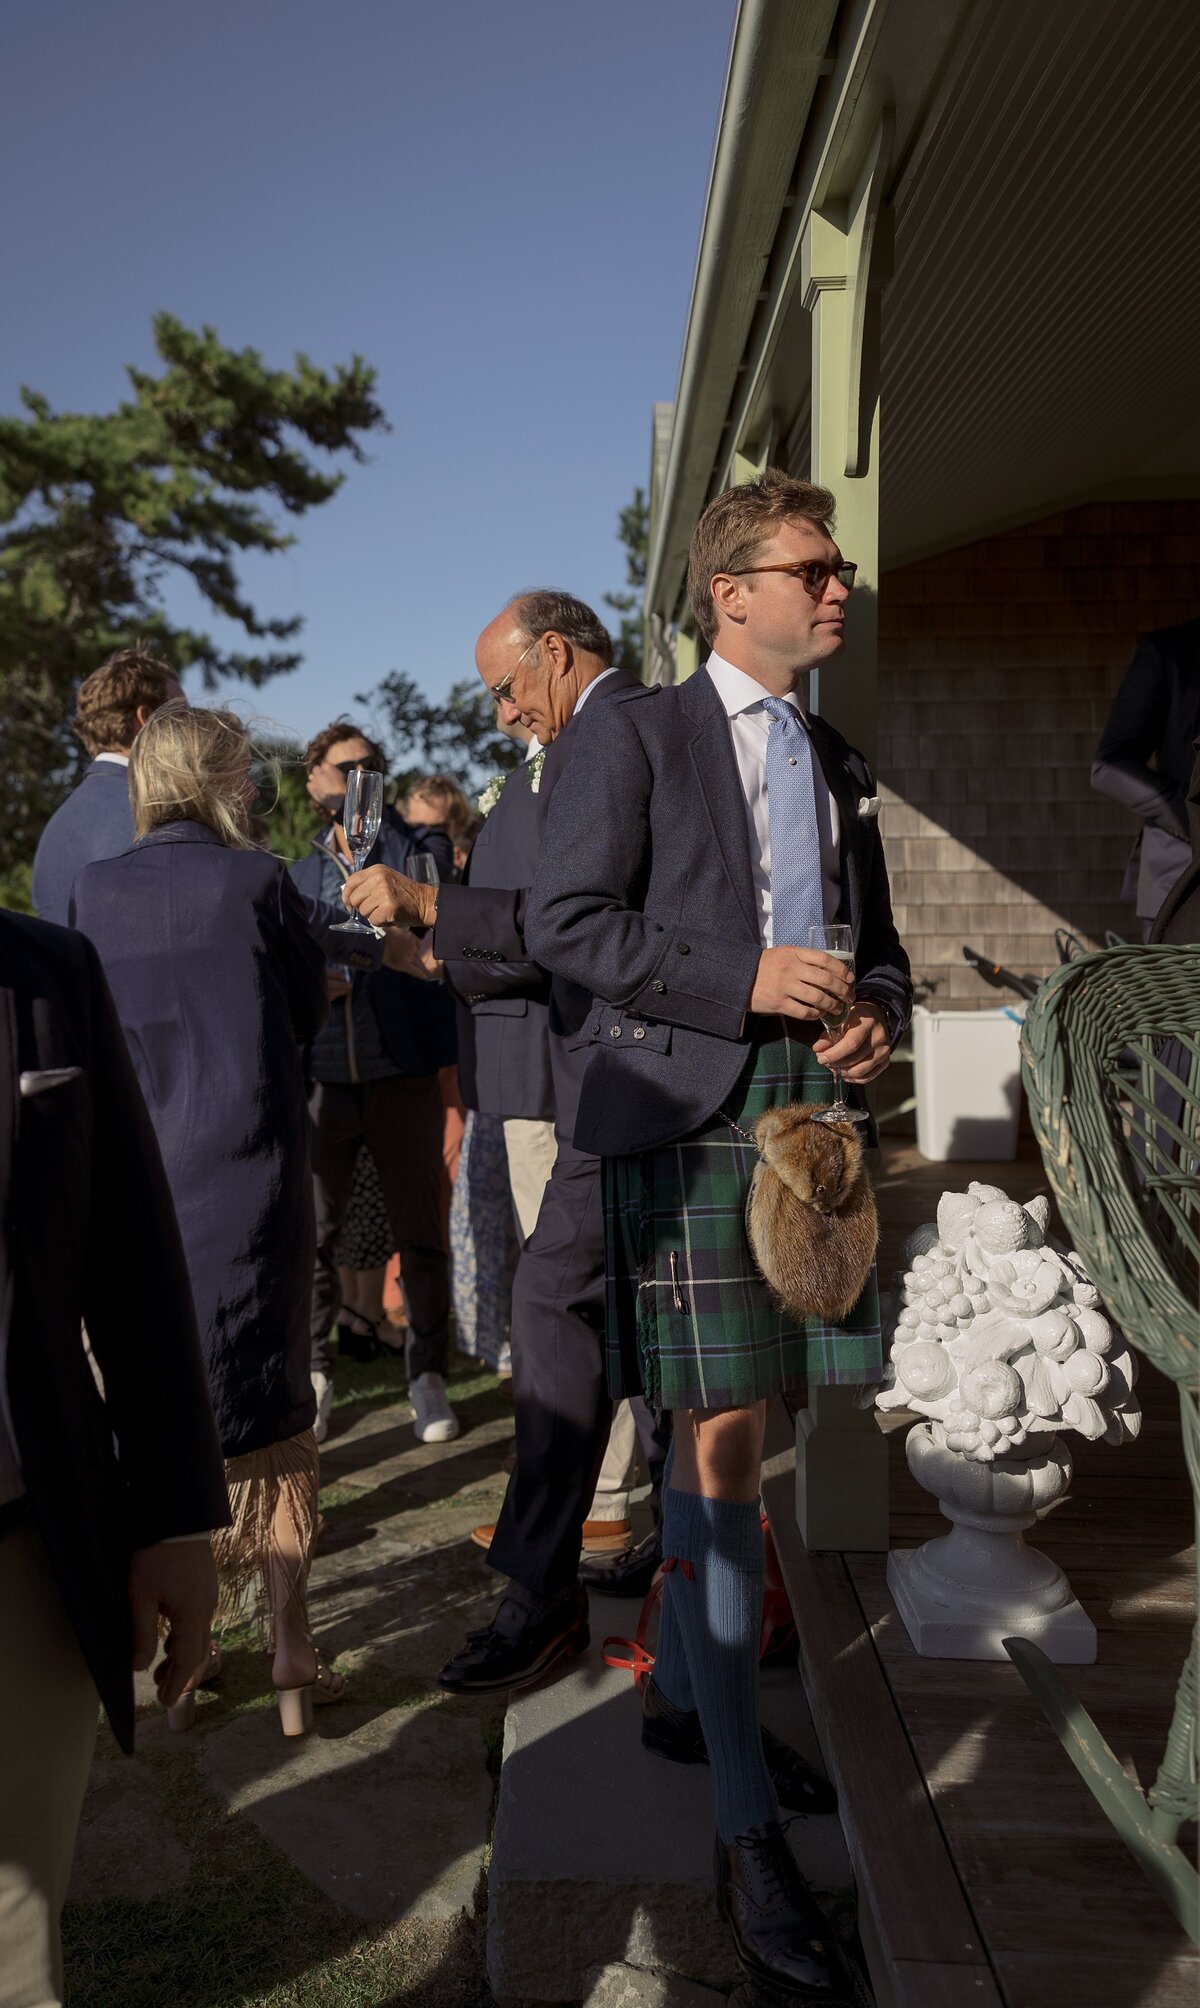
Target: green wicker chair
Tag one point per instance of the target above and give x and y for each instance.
(1110, 1060)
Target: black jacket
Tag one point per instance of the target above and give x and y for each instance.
(1155, 716)
(645, 895)
(89, 1234)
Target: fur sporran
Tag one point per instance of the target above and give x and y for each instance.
(810, 1216)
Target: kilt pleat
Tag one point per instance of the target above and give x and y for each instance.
(691, 1322)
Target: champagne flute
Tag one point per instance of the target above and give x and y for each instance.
(362, 813)
(423, 867)
(837, 940)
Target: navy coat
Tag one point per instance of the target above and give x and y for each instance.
(88, 1233)
(95, 821)
(218, 983)
(645, 896)
(484, 926)
(503, 1040)
(415, 1018)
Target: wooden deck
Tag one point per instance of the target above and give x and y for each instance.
(986, 1872)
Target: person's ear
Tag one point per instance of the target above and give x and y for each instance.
(560, 653)
(142, 714)
(728, 596)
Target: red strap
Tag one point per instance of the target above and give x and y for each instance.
(636, 1658)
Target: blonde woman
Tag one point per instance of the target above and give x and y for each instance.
(218, 984)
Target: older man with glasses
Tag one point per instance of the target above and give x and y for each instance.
(545, 658)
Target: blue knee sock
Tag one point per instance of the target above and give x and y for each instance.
(670, 1674)
(716, 1603)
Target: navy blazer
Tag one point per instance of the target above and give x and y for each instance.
(95, 821)
(503, 1039)
(485, 926)
(645, 894)
(88, 1234)
(1155, 716)
(415, 1018)
(218, 984)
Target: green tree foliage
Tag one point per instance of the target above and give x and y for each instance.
(633, 531)
(205, 461)
(457, 736)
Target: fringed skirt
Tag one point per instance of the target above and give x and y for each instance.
(262, 1558)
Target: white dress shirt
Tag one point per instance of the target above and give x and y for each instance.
(749, 724)
(588, 688)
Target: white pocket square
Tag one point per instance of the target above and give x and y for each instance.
(869, 806)
(36, 1080)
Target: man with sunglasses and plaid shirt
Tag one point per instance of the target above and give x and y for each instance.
(710, 828)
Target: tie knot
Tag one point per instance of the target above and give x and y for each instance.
(780, 711)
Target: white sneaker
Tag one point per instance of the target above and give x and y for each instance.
(323, 1389)
(435, 1420)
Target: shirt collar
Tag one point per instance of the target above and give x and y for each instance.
(739, 692)
(535, 747)
(118, 759)
(588, 688)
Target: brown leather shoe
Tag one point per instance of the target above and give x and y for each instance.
(600, 1537)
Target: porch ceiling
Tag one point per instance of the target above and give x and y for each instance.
(1040, 333)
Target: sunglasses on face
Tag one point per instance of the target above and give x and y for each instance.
(812, 573)
(349, 766)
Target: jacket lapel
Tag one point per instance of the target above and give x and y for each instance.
(720, 790)
(843, 788)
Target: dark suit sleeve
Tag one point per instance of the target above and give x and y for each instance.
(484, 924)
(883, 975)
(580, 920)
(303, 962)
(1132, 735)
(137, 1304)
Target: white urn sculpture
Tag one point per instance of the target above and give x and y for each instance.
(1000, 1343)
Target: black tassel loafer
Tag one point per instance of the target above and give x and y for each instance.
(519, 1646)
(779, 1934)
(676, 1733)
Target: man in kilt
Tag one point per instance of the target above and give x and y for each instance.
(707, 828)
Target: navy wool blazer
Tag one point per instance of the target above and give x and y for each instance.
(484, 927)
(88, 1234)
(503, 1040)
(645, 896)
(95, 821)
(218, 983)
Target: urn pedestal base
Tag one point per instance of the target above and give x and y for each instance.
(962, 1595)
(941, 1628)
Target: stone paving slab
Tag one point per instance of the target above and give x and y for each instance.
(632, 1883)
(127, 1844)
(386, 1811)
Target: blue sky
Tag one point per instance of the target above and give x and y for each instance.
(496, 202)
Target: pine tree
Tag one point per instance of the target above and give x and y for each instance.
(204, 462)
(633, 531)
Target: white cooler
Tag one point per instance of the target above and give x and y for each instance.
(968, 1083)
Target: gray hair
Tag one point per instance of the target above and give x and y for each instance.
(545, 612)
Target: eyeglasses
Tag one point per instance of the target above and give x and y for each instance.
(500, 691)
(814, 575)
(349, 766)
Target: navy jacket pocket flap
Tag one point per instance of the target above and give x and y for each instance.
(500, 1007)
(609, 1026)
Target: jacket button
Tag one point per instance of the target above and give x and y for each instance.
(681, 948)
(658, 985)
(614, 1032)
(595, 1024)
(639, 1031)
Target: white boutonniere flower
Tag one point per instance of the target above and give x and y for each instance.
(491, 794)
(535, 769)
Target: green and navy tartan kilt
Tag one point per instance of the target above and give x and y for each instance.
(691, 1322)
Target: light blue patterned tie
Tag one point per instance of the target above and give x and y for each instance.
(797, 897)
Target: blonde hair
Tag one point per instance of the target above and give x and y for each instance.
(188, 764)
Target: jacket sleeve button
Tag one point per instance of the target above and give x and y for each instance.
(639, 1031)
(615, 1032)
(681, 948)
(658, 985)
